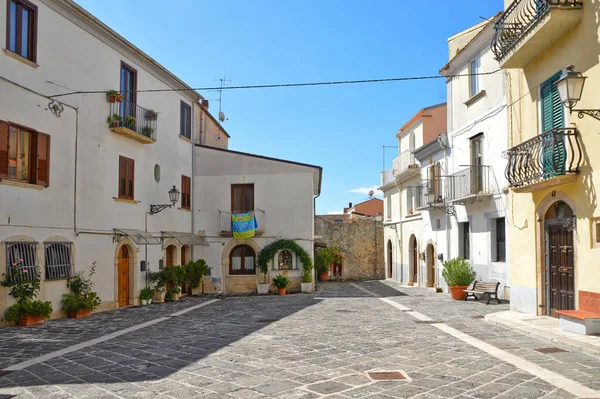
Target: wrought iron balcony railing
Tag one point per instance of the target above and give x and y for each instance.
(519, 17)
(432, 186)
(225, 222)
(469, 183)
(128, 114)
(547, 156)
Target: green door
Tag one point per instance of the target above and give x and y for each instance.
(553, 152)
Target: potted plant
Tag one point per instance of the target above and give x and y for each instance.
(306, 285)
(174, 277)
(174, 294)
(281, 282)
(159, 281)
(263, 288)
(151, 115)
(114, 121)
(24, 284)
(146, 296)
(130, 122)
(147, 131)
(323, 259)
(81, 301)
(114, 96)
(194, 271)
(459, 274)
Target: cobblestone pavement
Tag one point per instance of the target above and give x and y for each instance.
(298, 346)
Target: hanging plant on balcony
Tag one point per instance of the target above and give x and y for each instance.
(114, 96)
(130, 122)
(151, 115)
(114, 121)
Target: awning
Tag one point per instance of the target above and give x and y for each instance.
(186, 238)
(138, 236)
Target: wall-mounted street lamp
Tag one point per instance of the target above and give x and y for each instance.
(435, 201)
(570, 87)
(173, 197)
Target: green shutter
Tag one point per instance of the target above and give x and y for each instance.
(554, 154)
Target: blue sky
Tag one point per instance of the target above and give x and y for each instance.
(341, 128)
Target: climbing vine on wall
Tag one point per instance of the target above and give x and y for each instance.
(269, 252)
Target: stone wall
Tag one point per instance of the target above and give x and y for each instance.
(360, 241)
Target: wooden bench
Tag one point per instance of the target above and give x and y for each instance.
(579, 321)
(484, 288)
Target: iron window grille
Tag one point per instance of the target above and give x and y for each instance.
(21, 255)
(58, 260)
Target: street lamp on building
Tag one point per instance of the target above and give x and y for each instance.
(173, 197)
(570, 88)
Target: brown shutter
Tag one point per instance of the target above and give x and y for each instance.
(130, 178)
(122, 177)
(43, 160)
(3, 150)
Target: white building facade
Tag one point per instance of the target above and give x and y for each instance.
(477, 136)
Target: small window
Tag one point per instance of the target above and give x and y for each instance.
(464, 240)
(186, 192)
(242, 198)
(500, 240)
(24, 155)
(59, 265)
(21, 260)
(388, 208)
(409, 201)
(474, 70)
(157, 173)
(22, 28)
(285, 260)
(185, 125)
(126, 177)
(242, 260)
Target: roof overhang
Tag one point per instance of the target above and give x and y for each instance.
(185, 238)
(433, 147)
(138, 236)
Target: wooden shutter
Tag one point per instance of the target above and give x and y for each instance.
(185, 192)
(3, 150)
(249, 197)
(551, 105)
(122, 177)
(43, 160)
(130, 178)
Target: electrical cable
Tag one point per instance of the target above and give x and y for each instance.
(306, 84)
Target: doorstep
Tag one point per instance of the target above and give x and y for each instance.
(546, 328)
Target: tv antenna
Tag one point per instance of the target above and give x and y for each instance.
(221, 114)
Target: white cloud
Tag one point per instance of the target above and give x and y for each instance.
(340, 212)
(366, 190)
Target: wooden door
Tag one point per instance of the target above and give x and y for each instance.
(123, 283)
(413, 258)
(171, 255)
(389, 259)
(430, 265)
(561, 269)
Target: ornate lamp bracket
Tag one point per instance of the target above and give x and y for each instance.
(594, 113)
(154, 209)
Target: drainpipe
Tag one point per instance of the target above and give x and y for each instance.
(314, 215)
(399, 226)
(192, 184)
(446, 147)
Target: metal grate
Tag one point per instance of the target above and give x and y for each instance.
(23, 254)
(58, 260)
(386, 375)
(550, 350)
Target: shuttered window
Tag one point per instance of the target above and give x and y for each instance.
(126, 177)
(24, 155)
(552, 107)
(242, 197)
(186, 192)
(21, 28)
(185, 125)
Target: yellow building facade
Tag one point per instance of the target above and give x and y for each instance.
(553, 196)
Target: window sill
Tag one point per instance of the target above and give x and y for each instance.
(185, 139)
(126, 201)
(185, 209)
(21, 184)
(20, 58)
(242, 275)
(475, 98)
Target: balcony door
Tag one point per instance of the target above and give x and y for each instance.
(553, 146)
(128, 89)
(476, 164)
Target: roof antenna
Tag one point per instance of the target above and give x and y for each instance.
(221, 114)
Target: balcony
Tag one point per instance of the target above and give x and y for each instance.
(405, 166)
(225, 223)
(469, 185)
(529, 27)
(387, 176)
(420, 198)
(130, 120)
(549, 160)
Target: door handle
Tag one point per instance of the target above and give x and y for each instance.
(564, 249)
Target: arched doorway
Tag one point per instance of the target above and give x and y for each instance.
(430, 256)
(560, 258)
(412, 258)
(123, 276)
(389, 259)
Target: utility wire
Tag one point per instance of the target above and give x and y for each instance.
(330, 83)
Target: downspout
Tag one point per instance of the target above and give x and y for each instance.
(313, 227)
(399, 226)
(194, 105)
(446, 147)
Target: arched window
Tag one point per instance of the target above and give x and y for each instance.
(242, 260)
(58, 262)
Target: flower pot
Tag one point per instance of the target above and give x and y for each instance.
(262, 288)
(119, 99)
(144, 302)
(159, 296)
(30, 320)
(323, 276)
(114, 124)
(149, 301)
(456, 292)
(112, 99)
(306, 287)
(281, 291)
(175, 296)
(78, 314)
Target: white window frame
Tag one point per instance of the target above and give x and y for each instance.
(474, 68)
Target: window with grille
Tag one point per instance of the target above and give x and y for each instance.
(21, 260)
(58, 260)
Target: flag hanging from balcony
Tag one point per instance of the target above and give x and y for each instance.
(243, 225)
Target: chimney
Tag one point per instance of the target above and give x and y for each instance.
(350, 205)
(205, 103)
